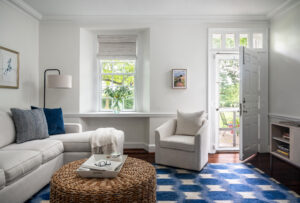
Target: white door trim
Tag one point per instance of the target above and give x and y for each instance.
(263, 53)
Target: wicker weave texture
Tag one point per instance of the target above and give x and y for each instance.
(136, 182)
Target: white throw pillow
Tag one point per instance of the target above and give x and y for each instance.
(189, 123)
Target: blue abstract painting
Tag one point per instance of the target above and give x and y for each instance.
(9, 65)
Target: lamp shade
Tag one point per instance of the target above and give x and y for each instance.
(59, 81)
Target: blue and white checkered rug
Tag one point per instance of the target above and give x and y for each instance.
(215, 183)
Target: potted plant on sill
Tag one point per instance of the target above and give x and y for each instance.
(118, 95)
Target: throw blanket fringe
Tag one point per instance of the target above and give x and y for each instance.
(104, 140)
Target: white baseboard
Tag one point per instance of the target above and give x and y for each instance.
(151, 147)
(139, 145)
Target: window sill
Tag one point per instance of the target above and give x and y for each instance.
(120, 115)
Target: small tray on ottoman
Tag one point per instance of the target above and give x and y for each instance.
(87, 172)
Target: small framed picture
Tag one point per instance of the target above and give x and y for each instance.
(179, 78)
(9, 68)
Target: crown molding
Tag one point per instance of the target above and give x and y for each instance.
(154, 18)
(282, 8)
(26, 8)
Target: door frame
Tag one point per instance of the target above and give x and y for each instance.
(263, 54)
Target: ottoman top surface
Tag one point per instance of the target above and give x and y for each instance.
(135, 173)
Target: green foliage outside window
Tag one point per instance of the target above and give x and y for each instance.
(117, 75)
(230, 42)
(229, 83)
(216, 43)
(229, 88)
(244, 40)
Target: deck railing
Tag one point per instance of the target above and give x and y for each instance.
(234, 127)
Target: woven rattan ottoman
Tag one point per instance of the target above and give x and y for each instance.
(136, 182)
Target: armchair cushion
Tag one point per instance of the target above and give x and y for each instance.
(179, 142)
(189, 123)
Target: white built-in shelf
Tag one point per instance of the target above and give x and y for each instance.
(119, 115)
(281, 140)
(285, 158)
(276, 138)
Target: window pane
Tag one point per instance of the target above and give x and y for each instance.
(118, 66)
(106, 81)
(216, 41)
(257, 40)
(229, 82)
(117, 74)
(106, 103)
(129, 103)
(106, 66)
(129, 80)
(132, 91)
(129, 66)
(118, 80)
(230, 42)
(244, 40)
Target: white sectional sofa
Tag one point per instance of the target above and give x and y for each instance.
(26, 168)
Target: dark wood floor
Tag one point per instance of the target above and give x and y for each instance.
(212, 158)
(285, 173)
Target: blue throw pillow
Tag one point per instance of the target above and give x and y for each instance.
(55, 120)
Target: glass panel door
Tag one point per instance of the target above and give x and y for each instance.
(227, 94)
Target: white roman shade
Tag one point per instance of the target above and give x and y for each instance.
(117, 46)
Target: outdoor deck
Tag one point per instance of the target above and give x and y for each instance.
(228, 128)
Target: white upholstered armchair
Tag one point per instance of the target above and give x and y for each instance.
(182, 151)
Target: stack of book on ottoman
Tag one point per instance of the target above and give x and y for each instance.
(102, 166)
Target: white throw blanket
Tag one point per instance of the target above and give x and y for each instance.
(104, 140)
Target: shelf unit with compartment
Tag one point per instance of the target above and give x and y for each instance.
(283, 148)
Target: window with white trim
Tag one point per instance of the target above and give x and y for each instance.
(231, 39)
(117, 65)
(257, 40)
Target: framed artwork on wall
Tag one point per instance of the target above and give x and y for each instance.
(9, 68)
(179, 78)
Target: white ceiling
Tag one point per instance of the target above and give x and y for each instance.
(155, 7)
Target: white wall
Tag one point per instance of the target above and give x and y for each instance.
(180, 45)
(284, 71)
(60, 48)
(173, 44)
(135, 129)
(87, 72)
(19, 32)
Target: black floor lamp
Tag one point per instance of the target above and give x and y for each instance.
(56, 81)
